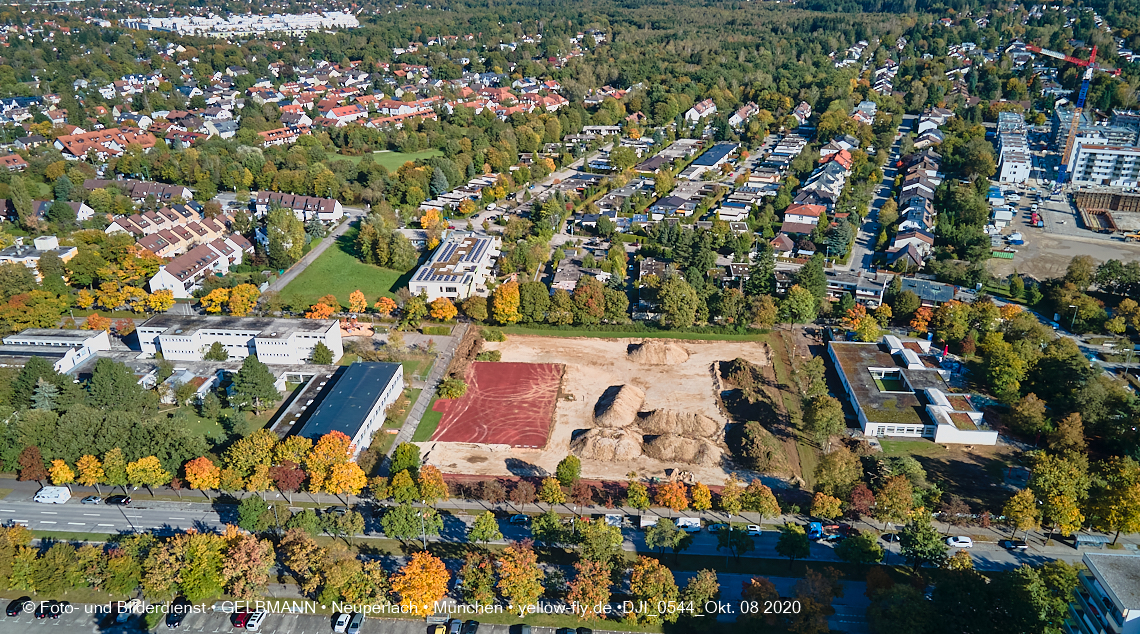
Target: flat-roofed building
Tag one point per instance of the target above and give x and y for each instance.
(355, 404)
(273, 341)
(459, 268)
(64, 349)
(1107, 596)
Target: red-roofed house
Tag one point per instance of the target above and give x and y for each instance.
(14, 162)
(804, 214)
(344, 113)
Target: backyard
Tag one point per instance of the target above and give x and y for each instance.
(339, 272)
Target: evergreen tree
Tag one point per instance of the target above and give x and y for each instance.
(45, 395)
(439, 184)
(253, 386)
(216, 352)
(113, 386)
(762, 274)
(322, 355)
(812, 278)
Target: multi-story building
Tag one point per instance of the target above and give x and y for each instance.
(29, 255)
(185, 273)
(459, 267)
(1016, 161)
(1107, 596)
(305, 207)
(272, 341)
(1112, 165)
(64, 349)
(356, 403)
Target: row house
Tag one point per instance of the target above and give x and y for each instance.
(279, 136)
(148, 222)
(184, 274)
(107, 143)
(181, 238)
(345, 113)
(13, 163)
(305, 207)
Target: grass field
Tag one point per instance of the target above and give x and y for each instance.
(390, 160)
(428, 424)
(911, 448)
(339, 272)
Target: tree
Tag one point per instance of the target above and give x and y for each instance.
(247, 563)
(921, 543)
(505, 303)
(793, 543)
(475, 307)
(672, 495)
(838, 472)
(823, 418)
(894, 501)
(252, 514)
(653, 583)
(759, 498)
(202, 474)
(331, 450)
(485, 529)
(520, 578)
(700, 590)
(597, 540)
(590, 588)
(405, 458)
(665, 534)
(356, 302)
(242, 300)
(61, 473)
(548, 530)
(385, 306)
(568, 471)
(216, 352)
(823, 505)
(443, 310)
(736, 540)
(731, 496)
(1069, 435)
(431, 485)
(702, 497)
(637, 496)
(286, 235)
(1027, 416)
(799, 306)
(322, 355)
(551, 492)
(31, 463)
(678, 302)
(147, 472)
(90, 471)
(478, 575)
(421, 583)
(1114, 505)
(115, 468)
(253, 386)
(113, 386)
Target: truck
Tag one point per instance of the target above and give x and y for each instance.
(52, 495)
(1131, 237)
(689, 524)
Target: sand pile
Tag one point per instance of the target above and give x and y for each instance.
(607, 445)
(659, 352)
(618, 408)
(693, 425)
(677, 449)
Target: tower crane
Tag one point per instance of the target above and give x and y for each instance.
(1090, 66)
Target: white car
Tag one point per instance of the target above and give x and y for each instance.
(341, 624)
(960, 541)
(753, 529)
(255, 621)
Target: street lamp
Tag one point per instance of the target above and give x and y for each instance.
(1073, 324)
(423, 529)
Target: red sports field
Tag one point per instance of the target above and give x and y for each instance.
(506, 404)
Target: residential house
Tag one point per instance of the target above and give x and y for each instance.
(700, 110)
(184, 274)
(305, 207)
(82, 211)
(106, 143)
(13, 162)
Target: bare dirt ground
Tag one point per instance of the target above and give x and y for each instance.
(1046, 252)
(592, 366)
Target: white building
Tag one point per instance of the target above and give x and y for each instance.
(65, 349)
(356, 403)
(701, 110)
(273, 341)
(459, 267)
(305, 207)
(1107, 595)
(1115, 166)
(185, 273)
(1015, 158)
(29, 256)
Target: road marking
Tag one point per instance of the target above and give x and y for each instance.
(177, 518)
(24, 521)
(7, 510)
(134, 516)
(48, 513)
(46, 522)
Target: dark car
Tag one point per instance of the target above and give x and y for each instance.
(584, 630)
(1013, 544)
(50, 609)
(178, 611)
(470, 627)
(240, 619)
(18, 606)
(565, 630)
(121, 500)
(890, 537)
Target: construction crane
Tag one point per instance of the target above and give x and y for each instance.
(1090, 66)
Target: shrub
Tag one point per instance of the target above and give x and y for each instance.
(437, 330)
(489, 355)
(452, 388)
(493, 334)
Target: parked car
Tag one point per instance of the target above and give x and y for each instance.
(1013, 544)
(355, 623)
(753, 529)
(471, 627)
(255, 621)
(19, 606)
(91, 499)
(960, 541)
(341, 623)
(120, 500)
(889, 537)
(584, 630)
(241, 619)
(178, 611)
(437, 629)
(519, 519)
(716, 528)
(565, 630)
(454, 626)
(51, 609)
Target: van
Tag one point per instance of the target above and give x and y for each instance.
(52, 495)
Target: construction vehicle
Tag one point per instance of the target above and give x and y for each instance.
(1132, 237)
(1089, 65)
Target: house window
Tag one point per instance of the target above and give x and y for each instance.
(449, 289)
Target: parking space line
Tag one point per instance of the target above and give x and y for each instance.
(46, 522)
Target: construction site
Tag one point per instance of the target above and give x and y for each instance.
(1110, 210)
(650, 406)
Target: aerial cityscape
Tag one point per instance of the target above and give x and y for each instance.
(554, 318)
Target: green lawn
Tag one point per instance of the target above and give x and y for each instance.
(911, 447)
(428, 423)
(337, 271)
(390, 160)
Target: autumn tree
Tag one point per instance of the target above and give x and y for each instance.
(90, 471)
(202, 474)
(442, 309)
(242, 299)
(823, 505)
(478, 574)
(653, 583)
(672, 495)
(421, 583)
(637, 495)
(894, 501)
(385, 306)
(551, 492)
(31, 463)
(147, 472)
(702, 497)
(793, 543)
(484, 529)
(247, 563)
(520, 578)
(61, 473)
(431, 485)
(731, 496)
(330, 450)
(356, 302)
(590, 588)
(1114, 505)
(505, 303)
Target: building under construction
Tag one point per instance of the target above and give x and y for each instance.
(1109, 210)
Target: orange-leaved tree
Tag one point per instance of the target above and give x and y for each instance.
(324, 308)
(332, 449)
(356, 302)
(95, 321)
(421, 582)
(442, 309)
(520, 577)
(243, 298)
(215, 301)
(505, 303)
(672, 495)
(202, 474)
(384, 306)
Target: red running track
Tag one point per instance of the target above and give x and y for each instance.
(506, 404)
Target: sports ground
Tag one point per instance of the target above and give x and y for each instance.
(505, 404)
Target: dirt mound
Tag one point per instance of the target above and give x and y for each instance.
(693, 425)
(607, 445)
(618, 407)
(658, 352)
(677, 449)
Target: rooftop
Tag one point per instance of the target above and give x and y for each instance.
(346, 406)
(455, 258)
(66, 337)
(893, 405)
(1120, 575)
(261, 327)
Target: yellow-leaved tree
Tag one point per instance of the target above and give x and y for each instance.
(421, 582)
